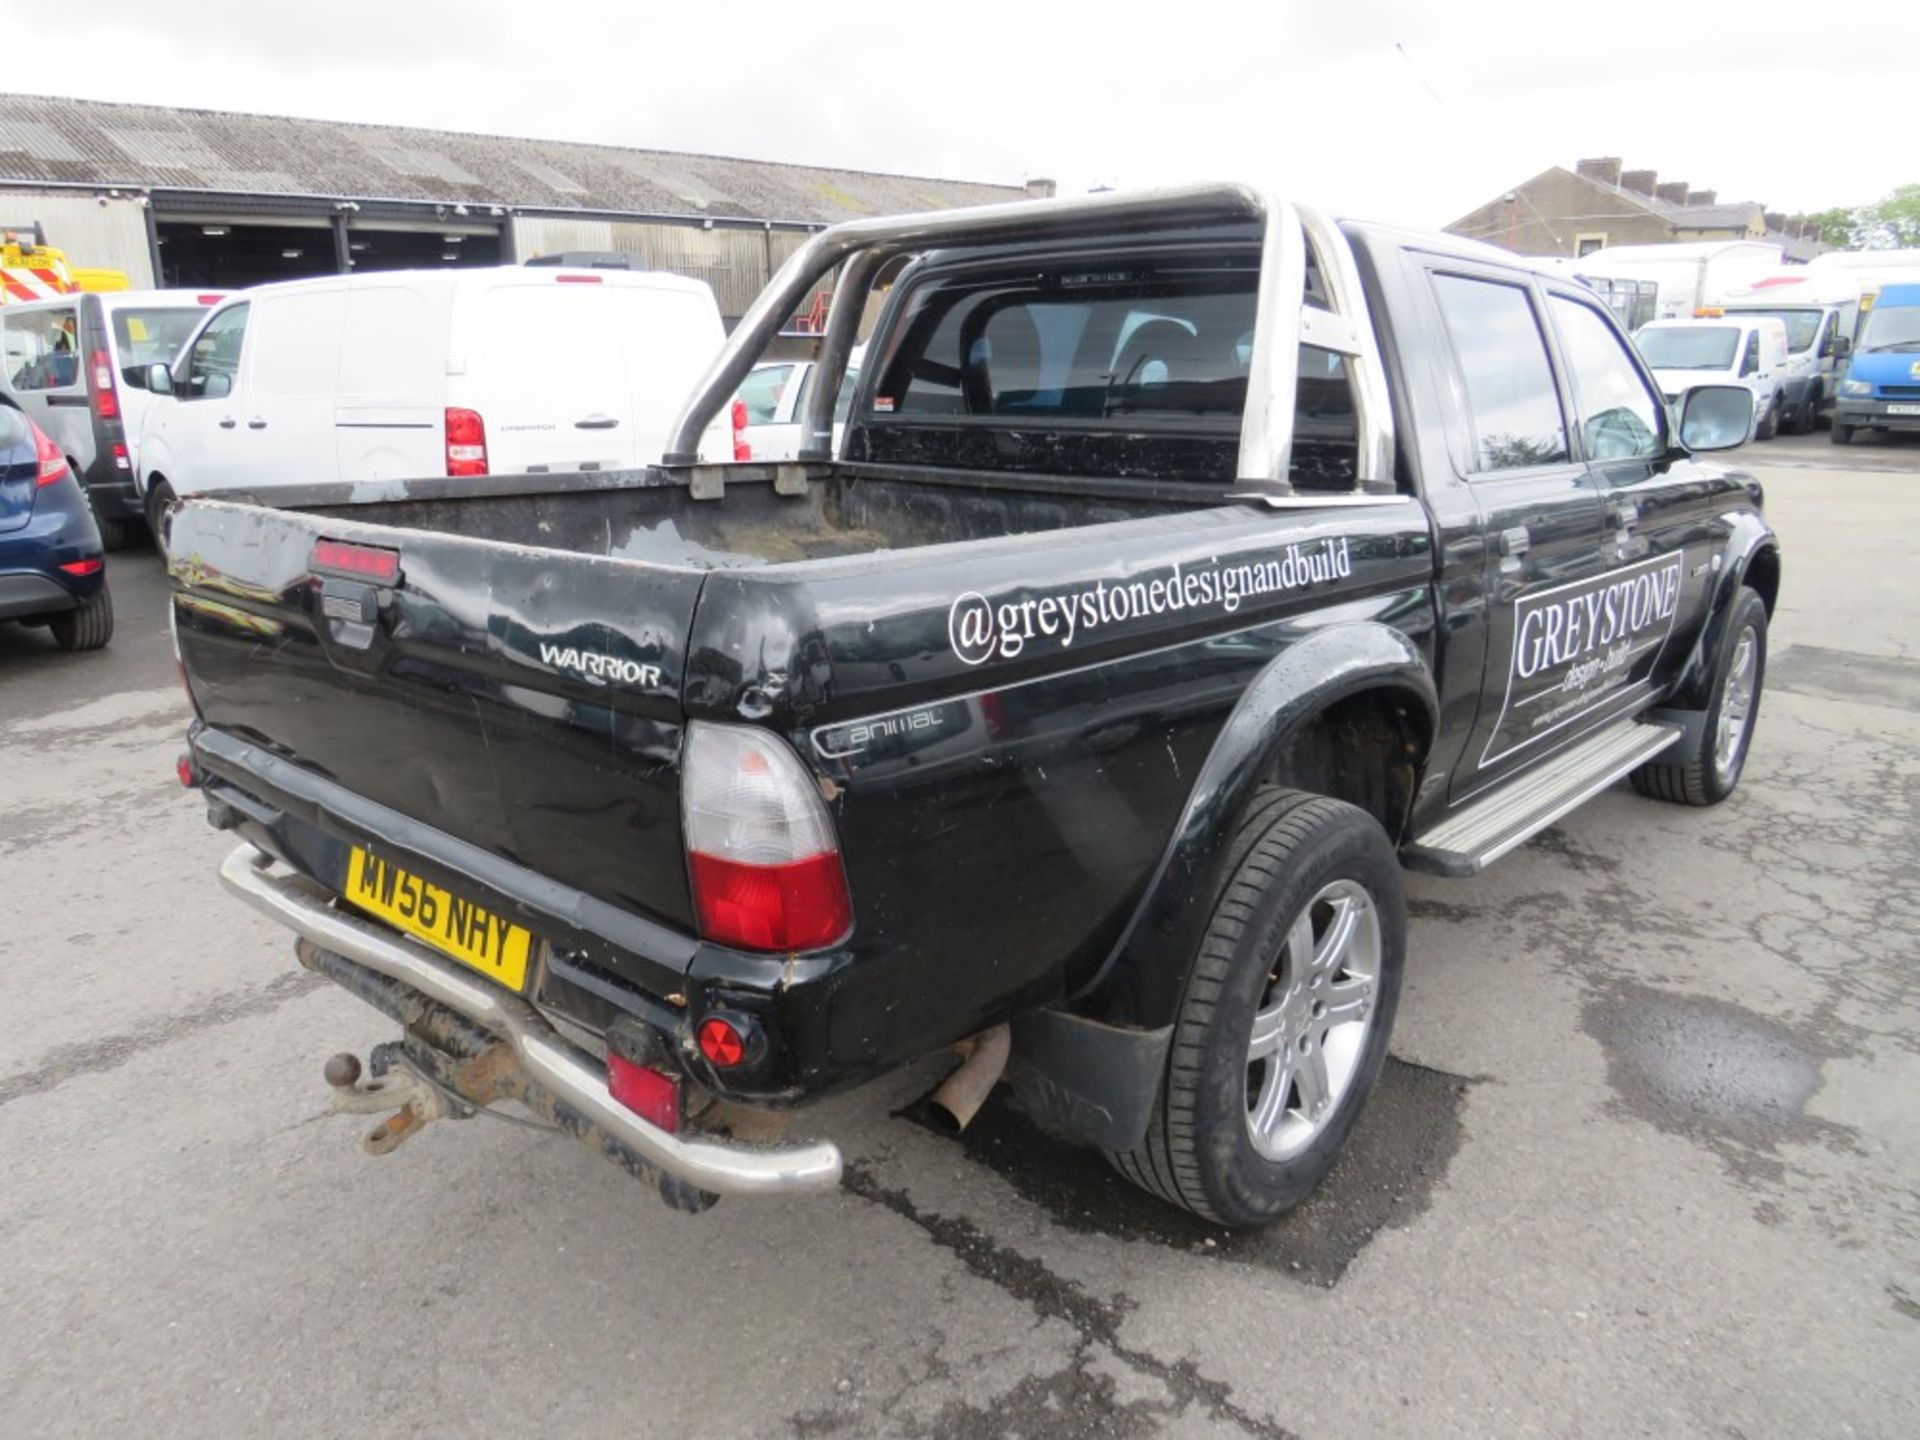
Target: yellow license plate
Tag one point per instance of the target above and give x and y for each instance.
(470, 933)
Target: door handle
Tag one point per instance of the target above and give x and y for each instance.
(1624, 513)
(1515, 541)
(596, 422)
(256, 423)
(228, 423)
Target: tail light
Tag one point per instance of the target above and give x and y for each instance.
(761, 850)
(80, 569)
(52, 463)
(741, 449)
(106, 399)
(466, 442)
(120, 459)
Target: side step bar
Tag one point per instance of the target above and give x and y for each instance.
(1466, 842)
(556, 1064)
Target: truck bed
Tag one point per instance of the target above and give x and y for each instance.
(843, 512)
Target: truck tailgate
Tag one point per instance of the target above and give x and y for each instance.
(523, 700)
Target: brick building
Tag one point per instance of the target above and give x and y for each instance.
(1598, 203)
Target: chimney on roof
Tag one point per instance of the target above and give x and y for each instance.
(1641, 182)
(1039, 189)
(1604, 168)
(1674, 192)
(1702, 197)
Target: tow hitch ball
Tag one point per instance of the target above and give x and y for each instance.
(396, 1087)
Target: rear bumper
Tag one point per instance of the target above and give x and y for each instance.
(111, 491)
(554, 1062)
(33, 594)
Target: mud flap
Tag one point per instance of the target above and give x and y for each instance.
(1095, 1081)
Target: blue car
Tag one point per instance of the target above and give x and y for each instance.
(53, 569)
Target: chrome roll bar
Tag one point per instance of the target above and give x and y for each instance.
(1283, 320)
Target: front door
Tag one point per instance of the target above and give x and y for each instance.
(1660, 508)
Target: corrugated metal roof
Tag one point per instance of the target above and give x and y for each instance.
(153, 147)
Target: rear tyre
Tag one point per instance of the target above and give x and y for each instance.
(1807, 415)
(1709, 774)
(1769, 425)
(1284, 1025)
(1840, 434)
(87, 628)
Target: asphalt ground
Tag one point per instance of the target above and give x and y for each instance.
(1646, 1161)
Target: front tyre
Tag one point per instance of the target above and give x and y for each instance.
(1708, 774)
(1284, 1025)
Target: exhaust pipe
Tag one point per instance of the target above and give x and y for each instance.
(962, 1093)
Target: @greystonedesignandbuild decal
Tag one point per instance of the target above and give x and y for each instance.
(1577, 645)
(980, 629)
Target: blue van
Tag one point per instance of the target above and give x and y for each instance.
(1882, 387)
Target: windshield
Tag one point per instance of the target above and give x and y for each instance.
(1802, 325)
(1894, 329)
(148, 337)
(1692, 347)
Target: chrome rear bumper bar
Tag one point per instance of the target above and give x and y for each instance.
(551, 1060)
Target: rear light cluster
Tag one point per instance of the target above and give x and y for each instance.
(761, 850)
(52, 464)
(741, 449)
(466, 442)
(106, 398)
(80, 569)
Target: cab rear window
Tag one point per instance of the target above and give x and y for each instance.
(1146, 364)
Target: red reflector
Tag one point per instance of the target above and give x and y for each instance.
(801, 905)
(120, 460)
(720, 1042)
(363, 562)
(85, 567)
(741, 449)
(466, 442)
(576, 279)
(654, 1097)
(183, 767)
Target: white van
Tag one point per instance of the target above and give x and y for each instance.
(1749, 350)
(1821, 310)
(78, 365)
(409, 373)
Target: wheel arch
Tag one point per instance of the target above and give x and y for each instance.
(1350, 712)
(1753, 556)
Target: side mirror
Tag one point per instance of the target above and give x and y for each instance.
(1842, 347)
(159, 379)
(1716, 417)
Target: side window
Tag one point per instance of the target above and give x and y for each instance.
(1750, 362)
(215, 360)
(1503, 362)
(42, 349)
(1619, 416)
(762, 390)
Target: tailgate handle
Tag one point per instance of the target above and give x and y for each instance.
(596, 422)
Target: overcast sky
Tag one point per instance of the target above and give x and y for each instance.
(1392, 109)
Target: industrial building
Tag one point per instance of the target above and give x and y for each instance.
(212, 199)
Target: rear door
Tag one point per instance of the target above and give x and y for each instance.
(669, 336)
(392, 391)
(546, 372)
(1540, 513)
(42, 349)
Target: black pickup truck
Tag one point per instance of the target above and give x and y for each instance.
(1190, 564)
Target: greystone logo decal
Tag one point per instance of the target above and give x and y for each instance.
(1576, 645)
(979, 630)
